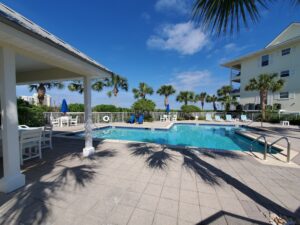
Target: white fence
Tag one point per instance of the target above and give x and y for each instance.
(124, 116)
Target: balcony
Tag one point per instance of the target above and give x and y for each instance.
(236, 92)
(236, 78)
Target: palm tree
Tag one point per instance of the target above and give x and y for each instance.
(166, 90)
(212, 99)
(225, 97)
(77, 86)
(117, 82)
(142, 91)
(264, 83)
(224, 15)
(42, 87)
(185, 96)
(201, 97)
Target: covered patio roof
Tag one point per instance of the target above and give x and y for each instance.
(42, 56)
(29, 54)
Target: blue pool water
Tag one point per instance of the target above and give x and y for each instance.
(203, 136)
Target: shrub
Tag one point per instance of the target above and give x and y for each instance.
(30, 115)
(190, 108)
(76, 107)
(105, 108)
(143, 105)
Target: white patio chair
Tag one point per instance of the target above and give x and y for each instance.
(47, 137)
(174, 117)
(74, 121)
(163, 118)
(54, 122)
(65, 120)
(30, 144)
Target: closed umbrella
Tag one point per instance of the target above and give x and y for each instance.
(168, 108)
(64, 106)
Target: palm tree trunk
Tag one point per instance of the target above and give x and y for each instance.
(263, 96)
(166, 100)
(202, 105)
(214, 105)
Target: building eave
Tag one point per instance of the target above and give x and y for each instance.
(236, 61)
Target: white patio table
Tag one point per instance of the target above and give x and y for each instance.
(64, 120)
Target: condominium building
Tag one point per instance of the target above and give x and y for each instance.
(281, 56)
(35, 101)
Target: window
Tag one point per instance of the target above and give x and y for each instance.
(283, 95)
(265, 60)
(285, 51)
(285, 73)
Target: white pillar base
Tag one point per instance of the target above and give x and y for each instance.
(10, 183)
(88, 151)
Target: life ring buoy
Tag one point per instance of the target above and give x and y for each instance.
(105, 118)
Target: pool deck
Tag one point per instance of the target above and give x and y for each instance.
(149, 184)
(272, 132)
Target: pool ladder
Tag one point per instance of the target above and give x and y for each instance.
(272, 144)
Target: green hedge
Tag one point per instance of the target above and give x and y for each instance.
(30, 115)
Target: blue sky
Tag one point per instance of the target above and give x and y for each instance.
(151, 41)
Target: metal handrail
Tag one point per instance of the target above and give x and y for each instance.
(266, 144)
(288, 147)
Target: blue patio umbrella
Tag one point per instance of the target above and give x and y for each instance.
(64, 106)
(168, 108)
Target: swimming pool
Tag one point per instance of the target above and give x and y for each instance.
(202, 136)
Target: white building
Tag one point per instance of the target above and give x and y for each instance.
(281, 56)
(35, 101)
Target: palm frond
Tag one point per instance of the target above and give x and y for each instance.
(226, 15)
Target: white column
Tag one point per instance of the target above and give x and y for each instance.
(88, 149)
(12, 177)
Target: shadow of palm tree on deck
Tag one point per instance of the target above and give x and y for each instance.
(192, 160)
(32, 204)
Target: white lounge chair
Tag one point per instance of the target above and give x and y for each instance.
(218, 118)
(54, 122)
(208, 117)
(229, 118)
(23, 127)
(245, 119)
(163, 118)
(47, 137)
(30, 144)
(74, 121)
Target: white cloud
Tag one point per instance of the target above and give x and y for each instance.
(184, 38)
(192, 80)
(177, 6)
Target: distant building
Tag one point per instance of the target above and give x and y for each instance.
(35, 101)
(281, 56)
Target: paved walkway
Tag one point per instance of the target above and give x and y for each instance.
(140, 184)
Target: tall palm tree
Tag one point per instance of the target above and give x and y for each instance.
(264, 83)
(185, 97)
(117, 82)
(143, 90)
(201, 97)
(77, 86)
(225, 97)
(212, 99)
(227, 15)
(166, 90)
(42, 87)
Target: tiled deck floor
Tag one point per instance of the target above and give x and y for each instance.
(147, 184)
